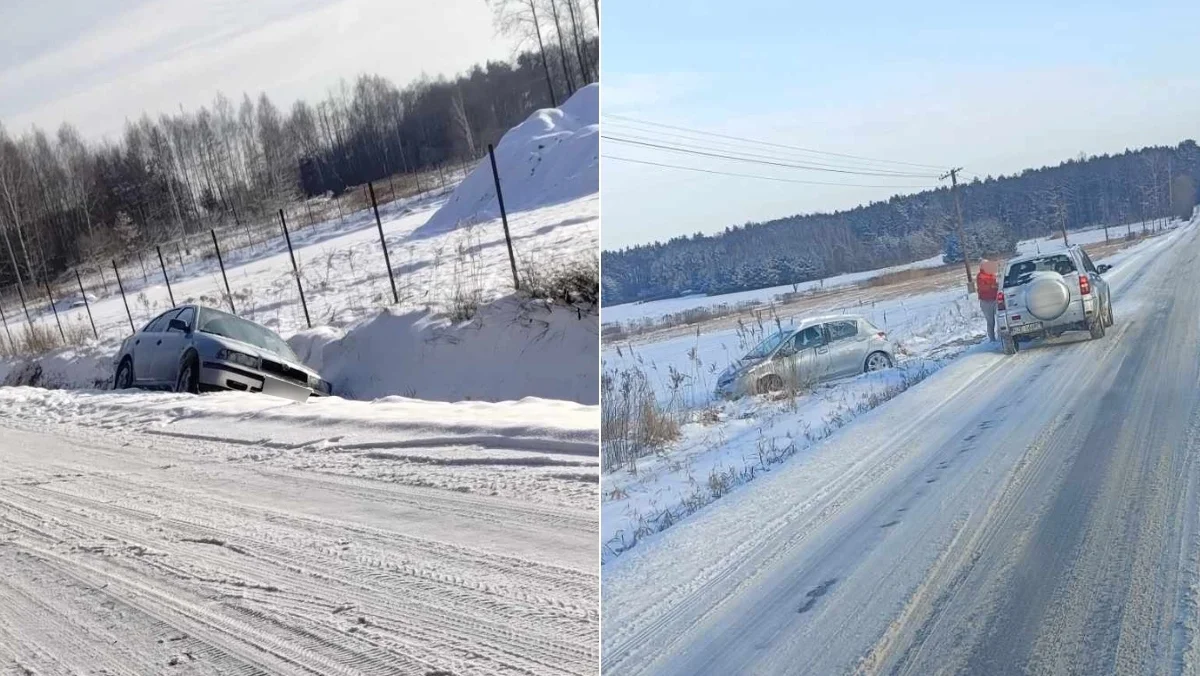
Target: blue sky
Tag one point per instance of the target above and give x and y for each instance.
(994, 88)
(97, 62)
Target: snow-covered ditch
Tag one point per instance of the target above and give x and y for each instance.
(723, 445)
(512, 348)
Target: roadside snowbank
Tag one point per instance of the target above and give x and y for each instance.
(529, 425)
(513, 348)
(551, 157)
(86, 367)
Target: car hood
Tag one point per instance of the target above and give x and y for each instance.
(255, 351)
(738, 368)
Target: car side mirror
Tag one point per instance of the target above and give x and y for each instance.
(178, 325)
(785, 352)
(1103, 268)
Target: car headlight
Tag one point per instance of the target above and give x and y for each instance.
(241, 358)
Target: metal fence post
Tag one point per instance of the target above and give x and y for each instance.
(167, 279)
(6, 330)
(512, 259)
(288, 238)
(21, 293)
(86, 304)
(386, 259)
(58, 321)
(123, 298)
(221, 262)
(103, 279)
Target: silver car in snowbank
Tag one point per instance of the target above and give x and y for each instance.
(195, 349)
(816, 350)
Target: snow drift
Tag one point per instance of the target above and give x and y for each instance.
(551, 157)
(86, 367)
(513, 348)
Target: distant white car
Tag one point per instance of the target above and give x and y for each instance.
(1046, 295)
(815, 350)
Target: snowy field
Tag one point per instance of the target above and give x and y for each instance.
(726, 444)
(656, 309)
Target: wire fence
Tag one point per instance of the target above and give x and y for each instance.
(67, 313)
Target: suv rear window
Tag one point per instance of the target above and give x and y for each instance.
(1021, 271)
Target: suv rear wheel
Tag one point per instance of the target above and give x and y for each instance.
(1009, 344)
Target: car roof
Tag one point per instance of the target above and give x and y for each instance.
(1030, 256)
(821, 319)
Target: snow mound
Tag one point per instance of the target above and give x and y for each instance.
(69, 368)
(550, 158)
(512, 349)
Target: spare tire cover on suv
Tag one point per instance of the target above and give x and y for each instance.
(1047, 295)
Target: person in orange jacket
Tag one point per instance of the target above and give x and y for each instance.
(986, 285)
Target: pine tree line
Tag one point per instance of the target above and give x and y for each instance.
(1135, 185)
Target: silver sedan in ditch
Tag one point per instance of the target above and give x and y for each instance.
(815, 350)
(193, 348)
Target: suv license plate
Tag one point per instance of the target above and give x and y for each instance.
(1033, 327)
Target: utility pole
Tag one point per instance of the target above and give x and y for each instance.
(1170, 190)
(962, 235)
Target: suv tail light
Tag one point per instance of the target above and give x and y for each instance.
(1000, 301)
(1085, 286)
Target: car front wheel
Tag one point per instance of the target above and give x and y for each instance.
(123, 380)
(189, 375)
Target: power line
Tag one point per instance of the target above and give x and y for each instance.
(769, 143)
(756, 176)
(806, 164)
(788, 153)
(787, 165)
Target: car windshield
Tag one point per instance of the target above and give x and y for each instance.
(767, 346)
(219, 323)
(1020, 272)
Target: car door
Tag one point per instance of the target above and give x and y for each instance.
(812, 363)
(154, 346)
(847, 347)
(171, 344)
(145, 349)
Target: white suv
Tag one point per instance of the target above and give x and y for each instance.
(1044, 295)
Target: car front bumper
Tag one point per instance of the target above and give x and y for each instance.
(224, 376)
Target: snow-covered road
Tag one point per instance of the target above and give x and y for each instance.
(1032, 514)
(146, 533)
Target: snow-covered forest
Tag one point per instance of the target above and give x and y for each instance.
(1136, 185)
